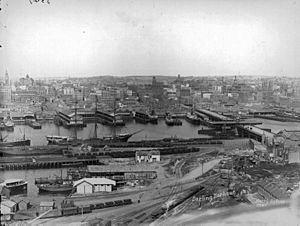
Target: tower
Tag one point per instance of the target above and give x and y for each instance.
(6, 79)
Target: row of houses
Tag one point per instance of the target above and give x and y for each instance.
(10, 207)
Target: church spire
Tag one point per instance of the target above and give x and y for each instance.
(6, 78)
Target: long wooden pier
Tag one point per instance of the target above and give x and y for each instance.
(36, 163)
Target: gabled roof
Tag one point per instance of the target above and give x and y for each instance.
(95, 181)
(146, 153)
(8, 203)
(47, 203)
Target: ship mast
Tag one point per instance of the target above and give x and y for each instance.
(114, 120)
(96, 125)
(75, 127)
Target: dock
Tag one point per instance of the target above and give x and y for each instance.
(45, 163)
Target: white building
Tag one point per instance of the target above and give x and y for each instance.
(147, 156)
(91, 185)
(8, 209)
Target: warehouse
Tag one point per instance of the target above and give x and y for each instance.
(91, 185)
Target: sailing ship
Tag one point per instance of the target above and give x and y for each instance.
(54, 185)
(122, 137)
(5, 143)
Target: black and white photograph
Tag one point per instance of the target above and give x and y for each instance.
(150, 112)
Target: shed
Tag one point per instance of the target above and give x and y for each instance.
(91, 185)
(8, 209)
(44, 206)
(23, 205)
(147, 156)
(8, 206)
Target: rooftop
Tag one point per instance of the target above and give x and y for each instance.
(119, 168)
(8, 203)
(95, 181)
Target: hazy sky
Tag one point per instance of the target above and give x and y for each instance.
(208, 37)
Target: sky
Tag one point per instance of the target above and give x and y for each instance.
(144, 37)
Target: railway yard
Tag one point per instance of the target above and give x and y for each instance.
(226, 174)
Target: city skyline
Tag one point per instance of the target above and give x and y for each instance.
(191, 38)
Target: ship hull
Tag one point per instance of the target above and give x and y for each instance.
(169, 122)
(21, 151)
(153, 120)
(107, 140)
(15, 143)
(194, 121)
(142, 120)
(9, 128)
(55, 189)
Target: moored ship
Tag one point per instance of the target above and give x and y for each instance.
(9, 125)
(141, 117)
(169, 121)
(153, 119)
(192, 118)
(58, 139)
(114, 138)
(172, 121)
(2, 126)
(54, 185)
(15, 143)
(55, 188)
(5, 143)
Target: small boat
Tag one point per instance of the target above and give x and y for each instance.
(153, 119)
(9, 125)
(192, 119)
(58, 139)
(169, 121)
(15, 186)
(2, 126)
(56, 188)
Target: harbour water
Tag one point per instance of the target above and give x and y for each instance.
(30, 175)
(150, 131)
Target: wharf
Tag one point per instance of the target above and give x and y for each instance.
(130, 152)
(44, 162)
(278, 118)
(254, 133)
(32, 151)
(228, 123)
